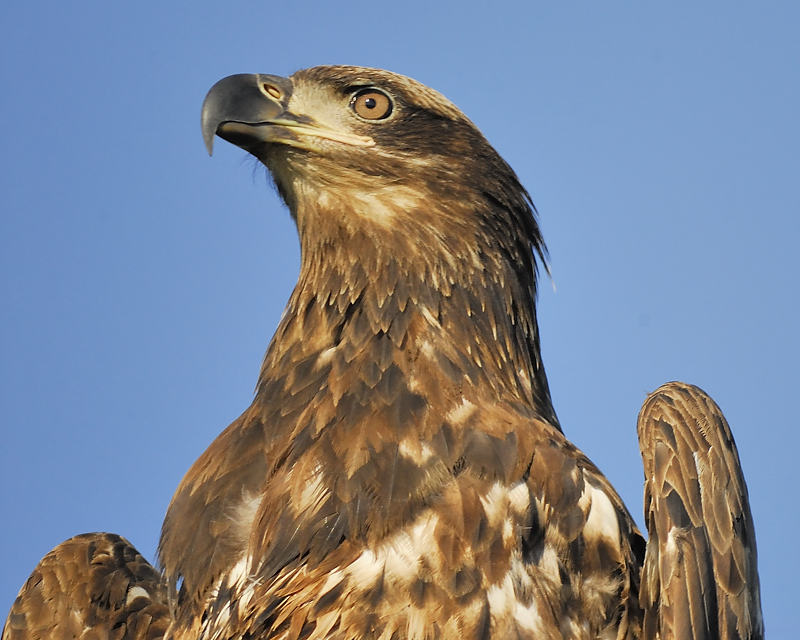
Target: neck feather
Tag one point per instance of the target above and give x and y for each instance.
(442, 317)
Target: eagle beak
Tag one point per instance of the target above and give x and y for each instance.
(249, 110)
(238, 105)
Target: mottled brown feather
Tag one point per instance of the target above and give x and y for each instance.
(92, 586)
(699, 578)
(411, 478)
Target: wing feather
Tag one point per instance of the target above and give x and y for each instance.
(95, 585)
(699, 578)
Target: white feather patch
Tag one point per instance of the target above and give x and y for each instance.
(136, 592)
(399, 557)
(462, 412)
(602, 520)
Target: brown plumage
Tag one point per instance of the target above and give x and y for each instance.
(401, 472)
(699, 578)
(92, 586)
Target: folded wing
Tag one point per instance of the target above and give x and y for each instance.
(95, 585)
(699, 578)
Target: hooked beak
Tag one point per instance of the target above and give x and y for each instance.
(249, 110)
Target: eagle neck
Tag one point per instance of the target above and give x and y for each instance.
(458, 320)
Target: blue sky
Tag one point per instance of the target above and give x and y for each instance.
(141, 281)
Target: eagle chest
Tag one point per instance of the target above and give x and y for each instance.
(461, 534)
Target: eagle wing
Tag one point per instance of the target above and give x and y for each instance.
(95, 585)
(699, 578)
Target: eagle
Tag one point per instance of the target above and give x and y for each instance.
(401, 472)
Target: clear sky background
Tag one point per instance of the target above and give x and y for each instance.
(140, 281)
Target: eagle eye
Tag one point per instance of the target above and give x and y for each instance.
(372, 104)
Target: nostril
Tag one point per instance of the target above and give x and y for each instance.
(271, 90)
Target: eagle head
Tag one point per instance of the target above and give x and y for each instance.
(353, 149)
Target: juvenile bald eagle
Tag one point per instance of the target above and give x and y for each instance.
(401, 472)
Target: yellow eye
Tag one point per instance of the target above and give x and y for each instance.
(372, 104)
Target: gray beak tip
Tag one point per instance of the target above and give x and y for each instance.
(240, 99)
